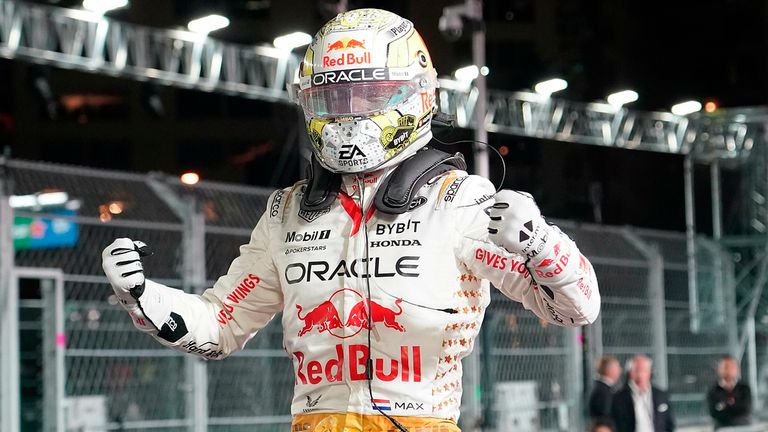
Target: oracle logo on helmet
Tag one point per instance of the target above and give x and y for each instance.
(350, 75)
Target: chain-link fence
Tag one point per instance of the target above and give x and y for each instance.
(533, 376)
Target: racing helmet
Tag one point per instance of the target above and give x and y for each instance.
(367, 89)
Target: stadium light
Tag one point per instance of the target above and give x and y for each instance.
(550, 86)
(22, 201)
(467, 73)
(38, 200)
(208, 24)
(103, 6)
(620, 98)
(292, 40)
(52, 198)
(115, 207)
(685, 108)
(190, 178)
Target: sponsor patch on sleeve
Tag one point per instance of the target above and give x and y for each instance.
(276, 204)
(449, 190)
(173, 328)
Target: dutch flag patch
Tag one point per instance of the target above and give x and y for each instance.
(381, 404)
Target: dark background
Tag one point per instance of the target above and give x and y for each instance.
(666, 51)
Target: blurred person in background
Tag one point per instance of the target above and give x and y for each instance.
(608, 374)
(602, 425)
(729, 400)
(640, 406)
(380, 260)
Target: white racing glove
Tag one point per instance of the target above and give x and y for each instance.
(517, 225)
(121, 262)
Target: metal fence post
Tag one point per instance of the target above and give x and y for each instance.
(658, 317)
(717, 235)
(593, 337)
(731, 311)
(193, 281)
(9, 325)
(52, 295)
(752, 359)
(657, 309)
(574, 375)
(690, 236)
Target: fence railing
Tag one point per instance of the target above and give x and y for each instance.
(82, 40)
(133, 383)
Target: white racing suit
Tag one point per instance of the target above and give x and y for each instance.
(428, 273)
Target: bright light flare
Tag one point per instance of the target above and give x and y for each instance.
(550, 86)
(710, 106)
(103, 6)
(190, 178)
(115, 207)
(467, 73)
(52, 198)
(38, 200)
(622, 98)
(22, 201)
(208, 24)
(685, 108)
(291, 41)
(104, 214)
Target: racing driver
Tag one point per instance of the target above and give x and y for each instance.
(380, 260)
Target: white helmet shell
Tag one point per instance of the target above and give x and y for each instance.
(367, 88)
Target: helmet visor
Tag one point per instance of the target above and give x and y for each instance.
(355, 99)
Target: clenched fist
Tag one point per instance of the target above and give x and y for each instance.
(121, 262)
(517, 225)
(122, 265)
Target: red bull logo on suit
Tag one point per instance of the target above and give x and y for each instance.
(325, 316)
(349, 363)
(350, 360)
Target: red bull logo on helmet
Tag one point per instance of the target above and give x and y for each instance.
(346, 58)
(365, 313)
(345, 44)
